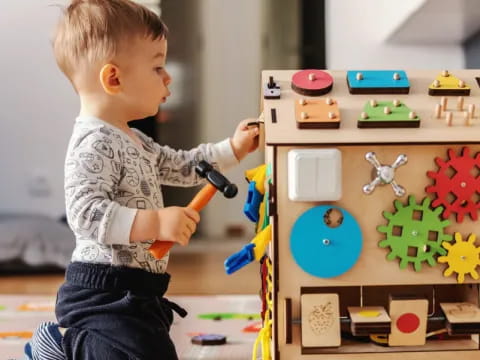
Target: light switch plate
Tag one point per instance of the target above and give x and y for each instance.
(314, 174)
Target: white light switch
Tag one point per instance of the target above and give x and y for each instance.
(314, 175)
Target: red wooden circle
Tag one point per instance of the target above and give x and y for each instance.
(408, 323)
(322, 79)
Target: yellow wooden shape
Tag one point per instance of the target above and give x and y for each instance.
(463, 257)
(261, 240)
(448, 82)
(258, 175)
(368, 314)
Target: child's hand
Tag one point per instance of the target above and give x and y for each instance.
(245, 138)
(177, 224)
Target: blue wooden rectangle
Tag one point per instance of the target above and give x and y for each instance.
(377, 79)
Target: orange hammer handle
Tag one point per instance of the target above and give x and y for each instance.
(203, 197)
(160, 248)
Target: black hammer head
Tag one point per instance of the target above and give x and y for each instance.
(205, 170)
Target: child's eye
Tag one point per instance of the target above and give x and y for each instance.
(158, 69)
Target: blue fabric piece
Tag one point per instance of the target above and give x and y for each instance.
(252, 204)
(240, 259)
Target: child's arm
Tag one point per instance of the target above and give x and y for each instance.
(92, 173)
(177, 167)
(93, 170)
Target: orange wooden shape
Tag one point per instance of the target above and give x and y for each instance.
(16, 334)
(317, 112)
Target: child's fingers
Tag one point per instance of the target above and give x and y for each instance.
(192, 214)
(184, 239)
(191, 225)
(246, 123)
(252, 132)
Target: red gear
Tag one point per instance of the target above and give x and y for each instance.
(463, 186)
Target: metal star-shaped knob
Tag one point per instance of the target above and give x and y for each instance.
(384, 174)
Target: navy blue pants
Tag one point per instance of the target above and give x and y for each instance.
(115, 313)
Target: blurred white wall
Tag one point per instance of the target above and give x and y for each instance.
(37, 110)
(38, 105)
(358, 32)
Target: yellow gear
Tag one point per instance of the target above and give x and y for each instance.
(462, 257)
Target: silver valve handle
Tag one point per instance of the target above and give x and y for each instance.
(384, 174)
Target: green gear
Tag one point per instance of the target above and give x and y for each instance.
(410, 230)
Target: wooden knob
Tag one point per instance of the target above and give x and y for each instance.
(443, 102)
(448, 118)
(438, 111)
(460, 103)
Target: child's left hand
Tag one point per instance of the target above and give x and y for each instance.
(245, 138)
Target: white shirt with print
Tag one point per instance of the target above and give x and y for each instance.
(108, 177)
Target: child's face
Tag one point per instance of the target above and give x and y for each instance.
(145, 80)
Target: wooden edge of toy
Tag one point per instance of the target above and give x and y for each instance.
(361, 124)
(309, 92)
(288, 320)
(377, 90)
(449, 92)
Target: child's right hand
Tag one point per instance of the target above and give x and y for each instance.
(177, 224)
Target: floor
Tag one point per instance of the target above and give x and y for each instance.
(20, 314)
(199, 283)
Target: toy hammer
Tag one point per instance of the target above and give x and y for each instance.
(216, 181)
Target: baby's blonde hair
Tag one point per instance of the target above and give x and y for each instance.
(95, 30)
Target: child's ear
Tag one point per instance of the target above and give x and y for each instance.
(110, 79)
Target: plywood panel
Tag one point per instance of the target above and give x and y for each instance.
(421, 145)
(409, 322)
(285, 131)
(320, 320)
(372, 267)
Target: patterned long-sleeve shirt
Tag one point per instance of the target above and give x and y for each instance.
(108, 177)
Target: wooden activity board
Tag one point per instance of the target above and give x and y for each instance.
(374, 197)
